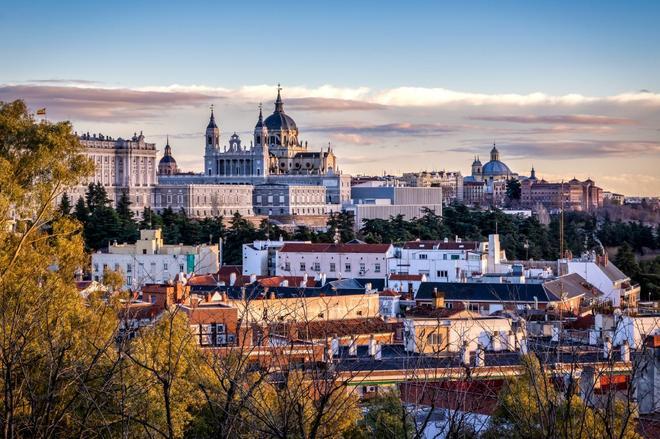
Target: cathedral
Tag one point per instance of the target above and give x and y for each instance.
(274, 150)
(277, 174)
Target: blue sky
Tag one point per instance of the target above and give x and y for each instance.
(171, 60)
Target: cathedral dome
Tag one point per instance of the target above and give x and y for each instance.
(280, 121)
(495, 168)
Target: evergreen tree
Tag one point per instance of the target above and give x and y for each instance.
(626, 262)
(81, 213)
(513, 189)
(150, 219)
(128, 227)
(65, 205)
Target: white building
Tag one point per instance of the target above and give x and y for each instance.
(447, 261)
(151, 261)
(450, 334)
(121, 165)
(604, 275)
(359, 260)
(259, 257)
(373, 200)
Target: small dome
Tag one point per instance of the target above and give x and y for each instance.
(166, 160)
(495, 168)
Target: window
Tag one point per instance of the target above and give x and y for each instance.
(444, 256)
(96, 267)
(129, 268)
(281, 198)
(423, 256)
(377, 267)
(316, 266)
(332, 267)
(287, 266)
(347, 267)
(455, 257)
(270, 199)
(116, 267)
(442, 273)
(129, 280)
(181, 268)
(434, 339)
(363, 267)
(144, 251)
(258, 198)
(303, 267)
(165, 266)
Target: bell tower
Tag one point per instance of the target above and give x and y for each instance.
(212, 140)
(212, 133)
(260, 149)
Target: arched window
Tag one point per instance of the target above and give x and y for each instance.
(210, 142)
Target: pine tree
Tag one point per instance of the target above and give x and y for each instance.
(81, 212)
(128, 227)
(65, 205)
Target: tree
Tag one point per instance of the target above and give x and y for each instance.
(128, 228)
(81, 213)
(65, 205)
(385, 418)
(625, 260)
(166, 358)
(513, 189)
(53, 348)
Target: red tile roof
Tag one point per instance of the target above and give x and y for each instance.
(409, 277)
(335, 248)
(276, 281)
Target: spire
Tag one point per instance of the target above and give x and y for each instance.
(279, 106)
(212, 120)
(260, 121)
(168, 148)
(533, 174)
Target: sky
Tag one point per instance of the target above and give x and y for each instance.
(571, 88)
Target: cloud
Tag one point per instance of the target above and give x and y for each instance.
(101, 104)
(355, 139)
(62, 81)
(395, 128)
(433, 97)
(573, 149)
(579, 119)
(331, 104)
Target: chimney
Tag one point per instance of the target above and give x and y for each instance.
(284, 283)
(253, 278)
(607, 347)
(523, 346)
(438, 299)
(322, 278)
(352, 348)
(496, 341)
(379, 352)
(232, 279)
(625, 351)
(372, 345)
(480, 356)
(271, 296)
(465, 353)
(367, 288)
(224, 297)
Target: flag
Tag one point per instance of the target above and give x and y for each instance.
(41, 112)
